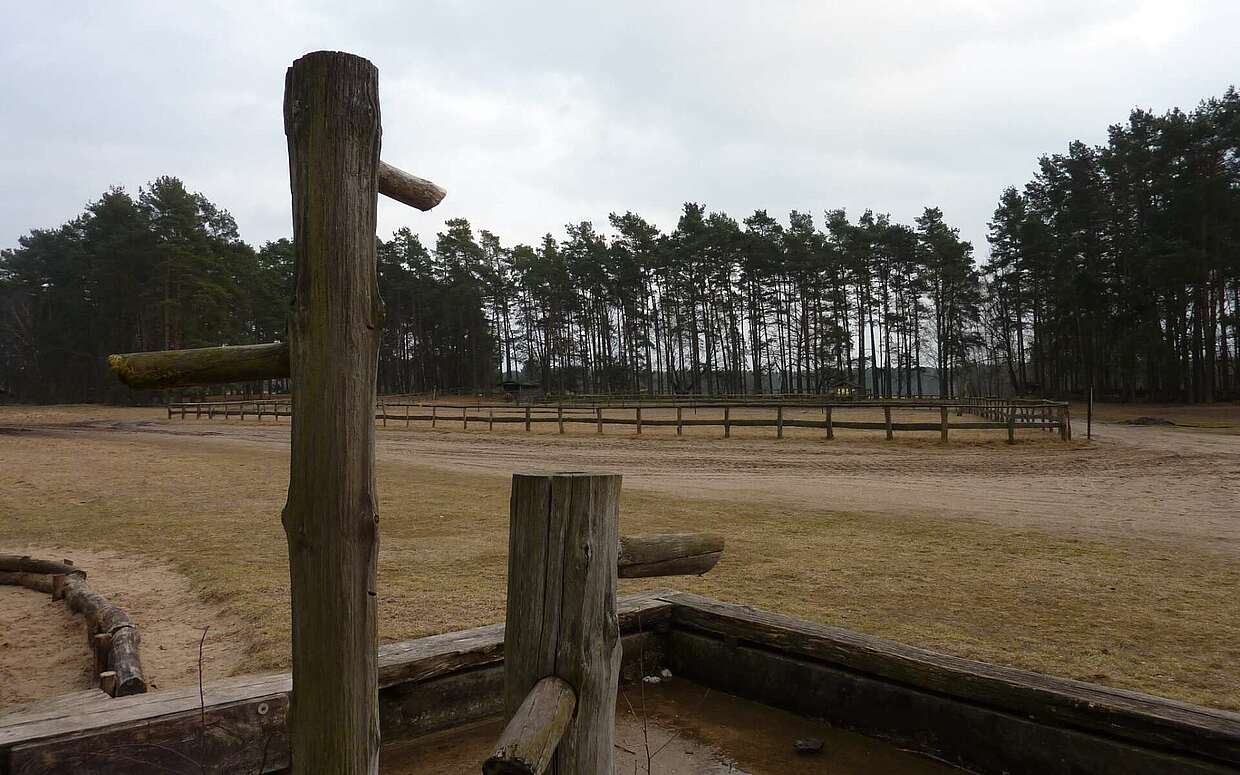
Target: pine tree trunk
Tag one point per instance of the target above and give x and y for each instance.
(331, 115)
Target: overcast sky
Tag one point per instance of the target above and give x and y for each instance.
(535, 114)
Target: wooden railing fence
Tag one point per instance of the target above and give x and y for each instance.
(1000, 414)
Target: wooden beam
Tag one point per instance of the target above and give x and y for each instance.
(202, 366)
(561, 617)
(408, 189)
(529, 740)
(668, 554)
(332, 122)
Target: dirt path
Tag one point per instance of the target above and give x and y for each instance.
(1175, 485)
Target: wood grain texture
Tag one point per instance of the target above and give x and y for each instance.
(530, 738)
(201, 366)
(331, 520)
(668, 554)
(1138, 718)
(561, 617)
(104, 617)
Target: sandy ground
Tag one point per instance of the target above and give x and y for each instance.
(1113, 561)
(43, 648)
(1170, 484)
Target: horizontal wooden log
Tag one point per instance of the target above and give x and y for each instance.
(39, 582)
(529, 740)
(17, 563)
(203, 366)
(408, 189)
(668, 554)
(103, 616)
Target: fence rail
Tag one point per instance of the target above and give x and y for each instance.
(1011, 415)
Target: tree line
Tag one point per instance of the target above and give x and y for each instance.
(1116, 266)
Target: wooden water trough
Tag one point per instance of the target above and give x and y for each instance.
(987, 718)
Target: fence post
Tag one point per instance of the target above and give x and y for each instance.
(1011, 425)
(727, 422)
(887, 422)
(830, 424)
(464, 418)
(563, 549)
(679, 421)
(559, 416)
(406, 415)
(527, 419)
(943, 423)
(383, 409)
(331, 120)
(491, 419)
(639, 421)
(779, 421)
(434, 412)
(598, 415)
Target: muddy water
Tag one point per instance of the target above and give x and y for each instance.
(687, 730)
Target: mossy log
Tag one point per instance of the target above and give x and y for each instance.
(202, 366)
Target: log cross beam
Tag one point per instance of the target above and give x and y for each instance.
(561, 637)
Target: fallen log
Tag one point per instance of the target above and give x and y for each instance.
(16, 563)
(104, 617)
(201, 366)
(668, 554)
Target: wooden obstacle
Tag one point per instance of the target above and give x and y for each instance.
(331, 520)
(562, 637)
(110, 633)
(988, 718)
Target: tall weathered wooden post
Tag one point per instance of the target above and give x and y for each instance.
(331, 120)
(561, 637)
(332, 123)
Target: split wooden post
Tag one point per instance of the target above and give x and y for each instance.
(527, 419)
(943, 423)
(887, 422)
(830, 425)
(779, 421)
(561, 620)
(331, 119)
(679, 421)
(727, 423)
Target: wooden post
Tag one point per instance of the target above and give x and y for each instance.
(406, 415)
(527, 419)
(561, 620)
(559, 415)
(383, 412)
(491, 419)
(464, 418)
(598, 415)
(1011, 425)
(830, 424)
(639, 421)
(727, 422)
(331, 119)
(679, 421)
(779, 421)
(1063, 424)
(887, 421)
(943, 423)
(434, 407)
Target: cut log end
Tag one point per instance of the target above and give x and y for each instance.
(397, 184)
(669, 554)
(529, 740)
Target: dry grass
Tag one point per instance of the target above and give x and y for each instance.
(1221, 416)
(1123, 613)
